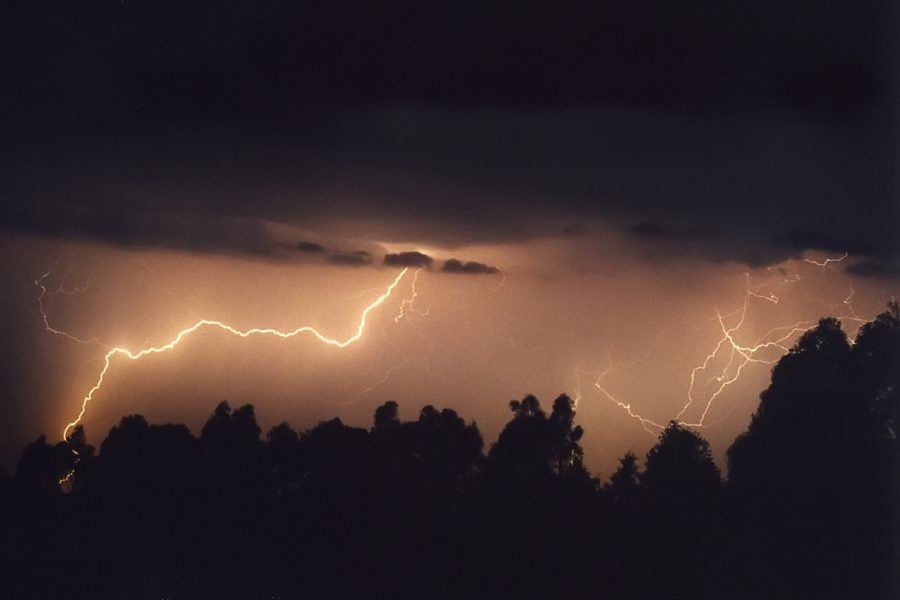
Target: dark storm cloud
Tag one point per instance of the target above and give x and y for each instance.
(130, 62)
(453, 265)
(831, 241)
(877, 257)
(750, 120)
(875, 268)
(196, 233)
(452, 178)
(357, 258)
(648, 230)
(409, 259)
(310, 247)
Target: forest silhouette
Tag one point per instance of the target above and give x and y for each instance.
(810, 507)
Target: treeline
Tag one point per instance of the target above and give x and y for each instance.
(417, 509)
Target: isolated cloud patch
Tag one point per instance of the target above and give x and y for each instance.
(310, 247)
(453, 265)
(409, 259)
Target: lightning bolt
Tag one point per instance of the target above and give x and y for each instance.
(406, 307)
(138, 354)
(739, 356)
(45, 295)
(384, 379)
(847, 302)
(827, 261)
(650, 426)
(736, 355)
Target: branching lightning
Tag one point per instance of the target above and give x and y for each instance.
(827, 261)
(406, 306)
(722, 366)
(735, 355)
(738, 356)
(46, 295)
(204, 323)
(650, 426)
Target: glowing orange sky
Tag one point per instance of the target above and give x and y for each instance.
(564, 312)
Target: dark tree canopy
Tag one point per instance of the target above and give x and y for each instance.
(42, 465)
(624, 486)
(534, 444)
(817, 470)
(415, 509)
(680, 471)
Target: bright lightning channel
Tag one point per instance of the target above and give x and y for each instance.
(406, 306)
(739, 356)
(138, 354)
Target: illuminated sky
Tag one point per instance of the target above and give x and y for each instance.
(629, 174)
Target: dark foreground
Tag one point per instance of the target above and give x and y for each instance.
(417, 510)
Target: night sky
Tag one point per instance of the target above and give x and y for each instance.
(583, 186)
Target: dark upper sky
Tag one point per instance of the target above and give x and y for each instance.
(737, 130)
(143, 63)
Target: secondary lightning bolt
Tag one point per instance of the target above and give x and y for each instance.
(406, 307)
(46, 294)
(827, 261)
(739, 356)
(650, 426)
(736, 355)
(138, 354)
(384, 379)
(850, 313)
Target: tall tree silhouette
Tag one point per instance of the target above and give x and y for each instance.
(628, 533)
(809, 475)
(424, 469)
(683, 489)
(41, 466)
(534, 446)
(538, 496)
(624, 486)
(680, 472)
(876, 358)
(876, 371)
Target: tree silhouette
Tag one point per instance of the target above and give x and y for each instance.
(283, 459)
(683, 488)
(41, 466)
(624, 487)
(414, 509)
(386, 415)
(535, 446)
(627, 535)
(680, 472)
(230, 430)
(539, 501)
(876, 373)
(876, 358)
(810, 475)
